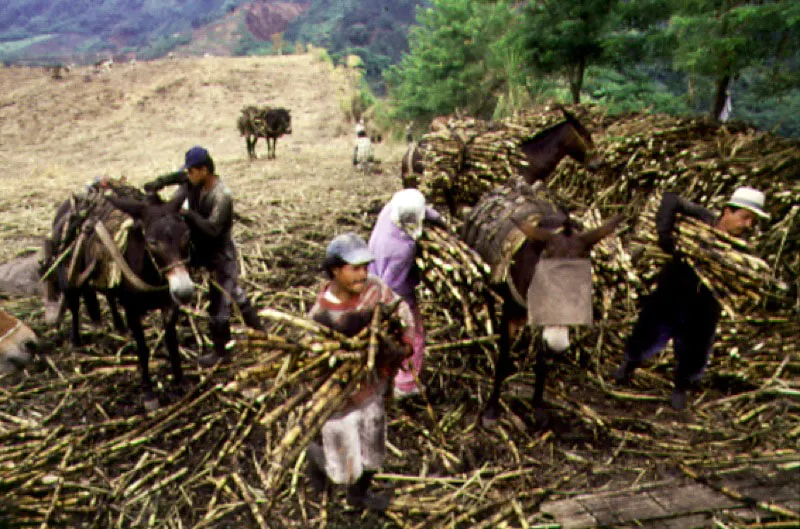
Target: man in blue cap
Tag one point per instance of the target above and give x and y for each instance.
(681, 308)
(210, 218)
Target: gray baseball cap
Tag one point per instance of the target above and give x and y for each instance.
(351, 248)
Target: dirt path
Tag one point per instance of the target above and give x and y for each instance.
(138, 119)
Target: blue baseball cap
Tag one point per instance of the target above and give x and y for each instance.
(351, 248)
(194, 157)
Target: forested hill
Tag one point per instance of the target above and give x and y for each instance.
(81, 31)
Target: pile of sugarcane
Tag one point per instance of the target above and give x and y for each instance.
(457, 275)
(471, 156)
(78, 450)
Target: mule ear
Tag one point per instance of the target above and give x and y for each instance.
(568, 115)
(131, 206)
(592, 237)
(534, 233)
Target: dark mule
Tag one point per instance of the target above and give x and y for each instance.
(250, 123)
(544, 151)
(556, 237)
(154, 276)
(278, 123)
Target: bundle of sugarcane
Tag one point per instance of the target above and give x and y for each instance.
(470, 158)
(457, 274)
(722, 262)
(314, 371)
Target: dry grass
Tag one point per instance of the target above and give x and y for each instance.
(138, 120)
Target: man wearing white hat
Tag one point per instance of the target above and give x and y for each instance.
(681, 307)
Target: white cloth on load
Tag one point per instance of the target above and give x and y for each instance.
(355, 441)
(560, 293)
(408, 211)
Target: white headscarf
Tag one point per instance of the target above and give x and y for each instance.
(407, 211)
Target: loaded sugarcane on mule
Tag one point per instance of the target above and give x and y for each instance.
(542, 152)
(681, 307)
(210, 219)
(540, 268)
(18, 343)
(393, 244)
(268, 123)
(151, 265)
(353, 441)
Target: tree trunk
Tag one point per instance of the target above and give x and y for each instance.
(720, 96)
(576, 81)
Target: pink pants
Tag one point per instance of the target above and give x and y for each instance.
(404, 381)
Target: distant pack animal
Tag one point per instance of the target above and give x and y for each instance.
(554, 237)
(154, 275)
(542, 152)
(265, 122)
(18, 343)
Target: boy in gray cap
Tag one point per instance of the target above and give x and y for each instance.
(210, 218)
(353, 441)
(681, 307)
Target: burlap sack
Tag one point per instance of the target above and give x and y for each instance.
(560, 293)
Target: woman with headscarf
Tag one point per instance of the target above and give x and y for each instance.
(393, 244)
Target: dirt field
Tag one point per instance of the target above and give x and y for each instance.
(137, 121)
(445, 470)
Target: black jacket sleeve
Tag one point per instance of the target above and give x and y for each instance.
(168, 179)
(671, 205)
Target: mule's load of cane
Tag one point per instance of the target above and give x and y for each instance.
(491, 226)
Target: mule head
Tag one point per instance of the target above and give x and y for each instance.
(166, 239)
(582, 147)
(564, 242)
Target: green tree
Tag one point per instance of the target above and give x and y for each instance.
(722, 38)
(451, 63)
(565, 37)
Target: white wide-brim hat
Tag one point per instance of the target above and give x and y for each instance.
(749, 199)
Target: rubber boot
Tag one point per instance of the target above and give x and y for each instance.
(220, 336)
(251, 317)
(625, 370)
(360, 497)
(679, 398)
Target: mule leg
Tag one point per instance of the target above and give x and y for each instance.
(74, 303)
(92, 305)
(135, 325)
(170, 317)
(501, 369)
(119, 325)
(540, 370)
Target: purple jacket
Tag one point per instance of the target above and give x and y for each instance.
(394, 251)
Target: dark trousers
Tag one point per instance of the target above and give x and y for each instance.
(224, 268)
(682, 309)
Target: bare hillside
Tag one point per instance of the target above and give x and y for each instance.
(138, 119)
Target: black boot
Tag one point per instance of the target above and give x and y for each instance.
(625, 370)
(220, 336)
(251, 317)
(679, 398)
(360, 497)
